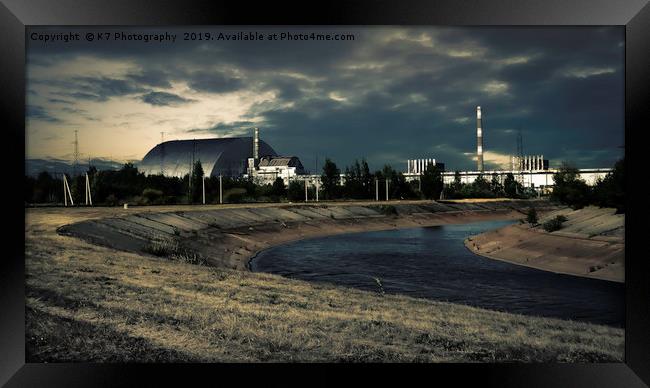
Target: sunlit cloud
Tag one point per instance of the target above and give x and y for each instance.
(495, 87)
(588, 71)
(391, 95)
(514, 60)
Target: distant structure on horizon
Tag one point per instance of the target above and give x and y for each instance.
(229, 157)
(529, 170)
(529, 163)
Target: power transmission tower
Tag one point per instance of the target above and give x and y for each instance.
(520, 157)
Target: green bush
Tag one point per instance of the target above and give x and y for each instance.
(531, 216)
(388, 210)
(235, 195)
(554, 224)
(111, 200)
(153, 196)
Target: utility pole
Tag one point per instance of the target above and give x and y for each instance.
(203, 181)
(306, 190)
(317, 190)
(376, 189)
(66, 186)
(191, 175)
(386, 189)
(220, 190)
(89, 198)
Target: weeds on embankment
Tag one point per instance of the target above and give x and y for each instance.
(173, 250)
(554, 224)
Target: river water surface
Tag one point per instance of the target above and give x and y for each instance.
(433, 263)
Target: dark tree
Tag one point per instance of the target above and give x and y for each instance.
(454, 189)
(196, 186)
(610, 192)
(432, 182)
(495, 185)
(296, 191)
(511, 187)
(367, 180)
(480, 188)
(278, 189)
(111, 186)
(47, 189)
(569, 189)
(330, 180)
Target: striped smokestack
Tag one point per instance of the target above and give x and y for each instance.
(479, 140)
(256, 144)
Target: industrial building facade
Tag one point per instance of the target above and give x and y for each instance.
(538, 179)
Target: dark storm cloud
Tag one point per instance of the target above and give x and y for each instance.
(155, 78)
(59, 101)
(36, 112)
(214, 82)
(398, 93)
(164, 99)
(104, 87)
(92, 88)
(221, 128)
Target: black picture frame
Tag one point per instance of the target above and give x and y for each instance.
(15, 15)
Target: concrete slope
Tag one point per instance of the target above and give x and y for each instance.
(229, 237)
(591, 244)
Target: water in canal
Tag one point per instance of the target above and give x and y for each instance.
(433, 263)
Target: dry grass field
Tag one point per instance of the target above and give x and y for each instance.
(88, 303)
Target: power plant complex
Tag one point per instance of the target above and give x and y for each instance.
(251, 157)
(530, 170)
(229, 157)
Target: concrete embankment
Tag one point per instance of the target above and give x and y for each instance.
(590, 244)
(229, 237)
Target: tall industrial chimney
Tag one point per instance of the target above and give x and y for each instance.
(256, 144)
(479, 140)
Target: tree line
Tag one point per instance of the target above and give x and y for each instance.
(113, 187)
(573, 191)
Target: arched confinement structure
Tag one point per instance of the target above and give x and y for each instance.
(223, 156)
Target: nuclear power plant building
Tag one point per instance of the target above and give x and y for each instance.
(223, 156)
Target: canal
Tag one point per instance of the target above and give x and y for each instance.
(433, 263)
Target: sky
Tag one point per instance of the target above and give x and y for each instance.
(387, 95)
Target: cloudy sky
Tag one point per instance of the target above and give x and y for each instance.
(391, 94)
